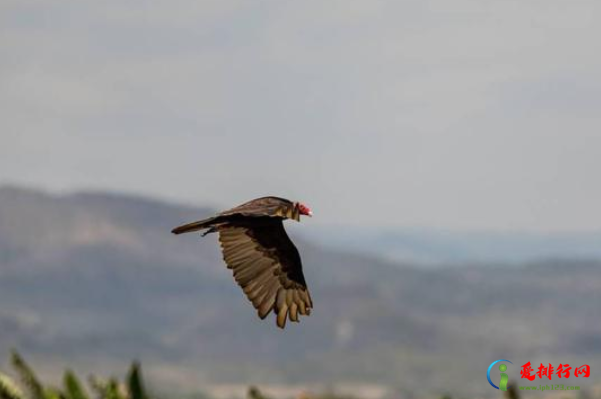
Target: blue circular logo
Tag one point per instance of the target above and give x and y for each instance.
(490, 368)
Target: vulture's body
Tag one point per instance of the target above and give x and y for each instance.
(265, 263)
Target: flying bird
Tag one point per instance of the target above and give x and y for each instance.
(265, 262)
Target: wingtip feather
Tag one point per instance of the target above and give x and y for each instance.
(282, 316)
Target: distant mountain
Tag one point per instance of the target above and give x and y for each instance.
(93, 280)
(429, 247)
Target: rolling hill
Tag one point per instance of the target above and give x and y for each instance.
(93, 280)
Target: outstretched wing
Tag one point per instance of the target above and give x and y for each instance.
(265, 206)
(267, 266)
(273, 207)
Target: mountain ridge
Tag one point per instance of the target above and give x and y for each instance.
(97, 281)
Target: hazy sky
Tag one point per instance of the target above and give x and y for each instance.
(482, 114)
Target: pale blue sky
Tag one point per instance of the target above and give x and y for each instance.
(449, 114)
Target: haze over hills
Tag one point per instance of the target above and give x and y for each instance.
(432, 247)
(94, 280)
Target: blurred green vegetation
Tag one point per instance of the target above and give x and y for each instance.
(28, 386)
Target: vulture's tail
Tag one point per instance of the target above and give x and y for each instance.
(195, 226)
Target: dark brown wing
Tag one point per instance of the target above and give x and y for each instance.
(274, 207)
(265, 206)
(267, 266)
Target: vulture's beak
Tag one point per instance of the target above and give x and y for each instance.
(310, 214)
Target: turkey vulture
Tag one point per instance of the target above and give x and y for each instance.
(266, 264)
